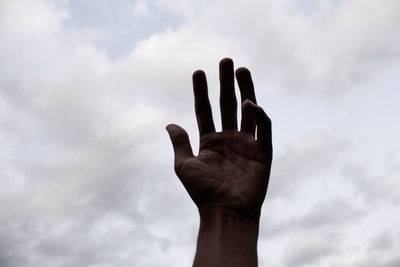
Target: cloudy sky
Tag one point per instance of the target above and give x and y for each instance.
(87, 87)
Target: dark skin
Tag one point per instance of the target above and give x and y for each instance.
(229, 177)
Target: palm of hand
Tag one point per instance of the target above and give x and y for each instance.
(230, 171)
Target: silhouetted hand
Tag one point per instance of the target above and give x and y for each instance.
(229, 177)
(232, 168)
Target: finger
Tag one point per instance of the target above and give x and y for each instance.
(248, 122)
(180, 142)
(246, 87)
(202, 104)
(227, 99)
(264, 135)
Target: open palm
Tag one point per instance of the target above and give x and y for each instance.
(232, 168)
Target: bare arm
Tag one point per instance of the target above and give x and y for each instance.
(229, 177)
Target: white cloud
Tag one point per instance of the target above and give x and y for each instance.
(332, 48)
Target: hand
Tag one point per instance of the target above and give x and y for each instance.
(232, 168)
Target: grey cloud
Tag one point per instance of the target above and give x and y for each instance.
(383, 241)
(332, 213)
(370, 261)
(310, 248)
(310, 156)
(373, 186)
(395, 261)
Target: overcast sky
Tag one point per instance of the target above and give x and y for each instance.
(87, 87)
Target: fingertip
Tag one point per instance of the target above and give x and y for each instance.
(226, 62)
(199, 82)
(242, 71)
(198, 73)
(248, 104)
(260, 113)
(255, 109)
(176, 132)
(170, 128)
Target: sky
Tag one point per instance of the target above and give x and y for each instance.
(87, 88)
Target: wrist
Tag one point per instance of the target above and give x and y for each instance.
(223, 216)
(226, 238)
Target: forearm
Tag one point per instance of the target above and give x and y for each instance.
(226, 239)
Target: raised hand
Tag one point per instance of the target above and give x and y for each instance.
(232, 168)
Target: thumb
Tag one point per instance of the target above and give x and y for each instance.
(180, 142)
